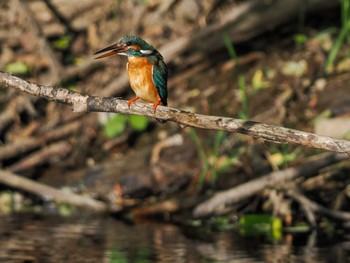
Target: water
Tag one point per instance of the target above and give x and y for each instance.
(28, 238)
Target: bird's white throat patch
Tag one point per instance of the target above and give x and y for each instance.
(146, 51)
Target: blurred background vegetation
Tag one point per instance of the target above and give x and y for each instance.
(285, 63)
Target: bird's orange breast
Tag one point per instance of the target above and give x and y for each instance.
(141, 80)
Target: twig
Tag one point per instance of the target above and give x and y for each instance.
(62, 19)
(217, 203)
(174, 140)
(309, 213)
(159, 175)
(49, 193)
(55, 151)
(164, 207)
(13, 108)
(316, 208)
(86, 103)
(28, 144)
(56, 67)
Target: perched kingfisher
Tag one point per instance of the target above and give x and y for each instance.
(147, 71)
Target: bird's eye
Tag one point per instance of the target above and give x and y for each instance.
(128, 43)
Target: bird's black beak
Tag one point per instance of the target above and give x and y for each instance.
(113, 49)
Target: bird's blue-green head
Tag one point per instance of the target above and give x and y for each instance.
(131, 46)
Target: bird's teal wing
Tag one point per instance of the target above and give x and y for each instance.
(160, 79)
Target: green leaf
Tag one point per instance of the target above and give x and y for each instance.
(62, 43)
(258, 81)
(115, 126)
(300, 39)
(17, 68)
(118, 256)
(255, 225)
(71, 87)
(138, 123)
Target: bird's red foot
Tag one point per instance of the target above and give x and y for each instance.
(155, 105)
(132, 100)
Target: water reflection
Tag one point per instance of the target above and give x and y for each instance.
(36, 239)
(88, 239)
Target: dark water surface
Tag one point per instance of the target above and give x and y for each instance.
(25, 238)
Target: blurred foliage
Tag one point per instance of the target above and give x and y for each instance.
(118, 256)
(115, 125)
(118, 123)
(139, 255)
(256, 225)
(212, 163)
(12, 202)
(343, 36)
(243, 112)
(17, 68)
(258, 82)
(295, 68)
(62, 43)
(300, 228)
(138, 123)
(283, 154)
(300, 39)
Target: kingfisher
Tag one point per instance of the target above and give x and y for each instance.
(147, 71)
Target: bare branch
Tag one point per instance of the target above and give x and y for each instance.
(86, 103)
(49, 193)
(55, 151)
(218, 203)
(27, 144)
(316, 208)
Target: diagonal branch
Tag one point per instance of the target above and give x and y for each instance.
(61, 18)
(49, 193)
(317, 208)
(218, 203)
(87, 103)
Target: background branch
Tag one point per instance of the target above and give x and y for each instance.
(317, 208)
(50, 193)
(218, 203)
(56, 67)
(86, 103)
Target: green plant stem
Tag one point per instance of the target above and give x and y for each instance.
(343, 34)
(218, 139)
(345, 14)
(202, 157)
(230, 49)
(244, 110)
(336, 48)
